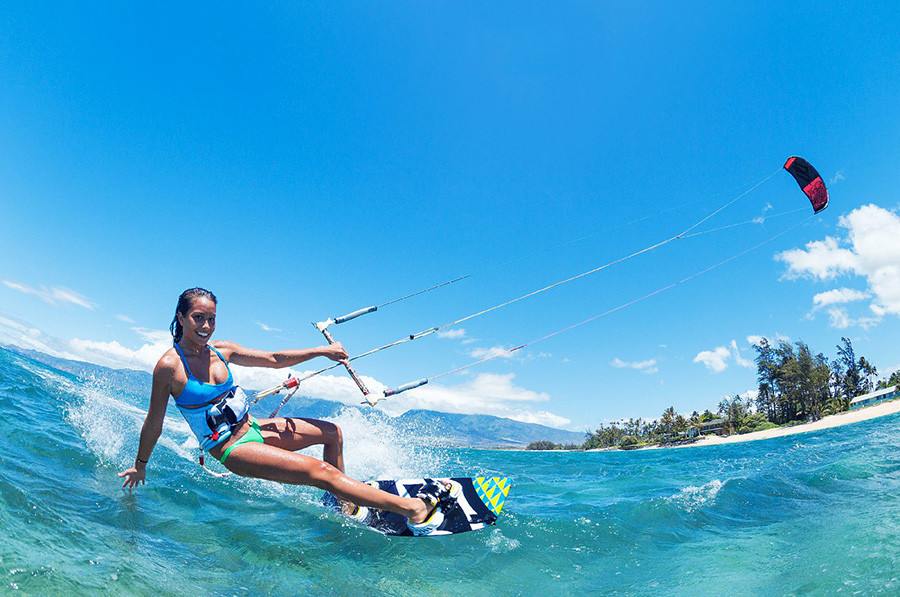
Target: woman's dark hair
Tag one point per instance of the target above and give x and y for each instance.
(184, 305)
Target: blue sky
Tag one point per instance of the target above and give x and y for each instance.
(306, 160)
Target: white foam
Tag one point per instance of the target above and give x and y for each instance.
(500, 544)
(375, 449)
(691, 498)
(111, 426)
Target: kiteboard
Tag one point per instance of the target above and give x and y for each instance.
(478, 505)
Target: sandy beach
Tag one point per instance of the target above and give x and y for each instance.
(844, 418)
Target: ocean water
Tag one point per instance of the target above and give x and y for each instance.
(816, 513)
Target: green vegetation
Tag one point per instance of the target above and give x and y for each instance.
(893, 380)
(548, 445)
(795, 386)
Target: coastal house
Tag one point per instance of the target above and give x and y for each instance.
(875, 397)
(716, 426)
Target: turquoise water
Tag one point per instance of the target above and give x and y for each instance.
(816, 513)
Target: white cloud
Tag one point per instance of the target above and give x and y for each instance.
(266, 328)
(738, 359)
(25, 336)
(114, 354)
(487, 394)
(718, 359)
(336, 386)
(870, 250)
(154, 336)
(822, 259)
(715, 360)
(838, 296)
(109, 354)
(56, 295)
(757, 340)
(761, 219)
(452, 334)
(839, 318)
(648, 366)
(541, 417)
(124, 318)
(749, 395)
(490, 353)
(838, 176)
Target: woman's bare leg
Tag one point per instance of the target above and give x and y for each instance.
(296, 433)
(266, 461)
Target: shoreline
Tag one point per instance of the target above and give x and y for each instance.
(837, 420)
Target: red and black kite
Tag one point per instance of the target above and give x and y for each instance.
(810, 181)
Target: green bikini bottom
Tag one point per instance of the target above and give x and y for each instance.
(253, 435)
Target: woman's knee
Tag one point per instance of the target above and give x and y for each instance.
(324, 475)
(333, 434)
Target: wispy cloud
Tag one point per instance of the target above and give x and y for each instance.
(452, 334)
(265, 327)
(124, 318)
(490, 353)
(834, 301)
(838, 176)
(505, 352)
(838, 296)
(739, 360)
(756, 340)
(839, 318)
(26, 336)
(761, 218)
(55, 295)
(647, 367)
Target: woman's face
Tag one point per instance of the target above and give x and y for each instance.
(200, 321)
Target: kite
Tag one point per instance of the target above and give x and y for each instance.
(810, 181)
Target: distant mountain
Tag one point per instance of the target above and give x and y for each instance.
(446, 429)
(484, 431)
(138, 381)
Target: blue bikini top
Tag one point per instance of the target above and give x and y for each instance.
(198, 393)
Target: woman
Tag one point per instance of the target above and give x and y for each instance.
(195, 373)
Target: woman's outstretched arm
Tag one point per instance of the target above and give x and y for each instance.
(248, 357)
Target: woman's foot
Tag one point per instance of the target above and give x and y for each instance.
(351, 510)
(439, 497)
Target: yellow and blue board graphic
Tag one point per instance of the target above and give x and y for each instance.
(492, 491)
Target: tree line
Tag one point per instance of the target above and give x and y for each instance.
(794, 385)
